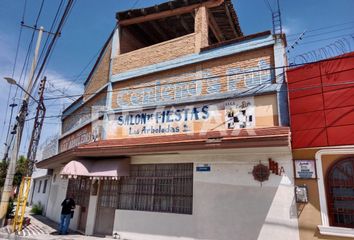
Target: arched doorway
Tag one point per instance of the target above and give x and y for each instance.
(340, 193)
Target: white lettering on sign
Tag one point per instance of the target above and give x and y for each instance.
(191, 85)
(190, 119)
(76, 139)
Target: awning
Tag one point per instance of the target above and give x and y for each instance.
(110, 168)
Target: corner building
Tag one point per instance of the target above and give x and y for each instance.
(182, 131)
(321, 111)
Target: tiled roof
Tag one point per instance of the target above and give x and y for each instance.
(244, 138)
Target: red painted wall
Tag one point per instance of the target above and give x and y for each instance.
(321, 101)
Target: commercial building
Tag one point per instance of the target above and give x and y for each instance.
(182, 131)
(322, 127)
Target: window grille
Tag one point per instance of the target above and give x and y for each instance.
(109, 193)
(340, 187)
(158, 188)
(79, 190)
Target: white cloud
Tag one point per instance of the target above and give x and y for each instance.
(286, 30)
(57, 85)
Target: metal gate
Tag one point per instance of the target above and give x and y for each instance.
(107, 204)
(79, 189)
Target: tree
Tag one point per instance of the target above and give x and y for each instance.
(3, 169)
(21, 169)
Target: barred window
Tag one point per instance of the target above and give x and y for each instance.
(158, 188)
(79, 189)
(109, 193)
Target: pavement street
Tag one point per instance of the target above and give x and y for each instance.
(42, 228)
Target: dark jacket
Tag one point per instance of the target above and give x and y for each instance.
(67, 206)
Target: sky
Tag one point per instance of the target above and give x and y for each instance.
(326, 24)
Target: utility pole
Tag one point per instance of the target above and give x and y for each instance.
(18, 128)
(31, 157)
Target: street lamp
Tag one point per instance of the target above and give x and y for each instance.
(11, 169)
(13, 82)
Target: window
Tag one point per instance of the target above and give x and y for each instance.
(39, 186)
(340, 188)
(158, 188)
(54, 178)
(109, 194)
(79, 189)
(45, 185)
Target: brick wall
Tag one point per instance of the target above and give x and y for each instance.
(217, 67)
(101, 75)
(154, 54)
(201, 28)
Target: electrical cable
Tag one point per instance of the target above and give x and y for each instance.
(134, 4)
(205, 78)
(236, 95)
(320, 34)
(321, 28)
(268, 5)
(259, 85)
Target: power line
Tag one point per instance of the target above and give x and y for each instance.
(13, 71)
(268, 5)
(56, 35)
(325, 39)
(26, 62)
(321, 28)
(205, 78)
(324, 33)
(242, 93)
(236, 95)
(134, 4)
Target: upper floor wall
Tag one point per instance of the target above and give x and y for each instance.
(203, 69)
(213, 79)
(171, 30)
(321, 103)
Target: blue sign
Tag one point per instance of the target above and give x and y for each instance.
(203, 168)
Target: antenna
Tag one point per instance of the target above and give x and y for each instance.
(276, 19)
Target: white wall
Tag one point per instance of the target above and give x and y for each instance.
(37, 196)
(228, 204)
(56, 197)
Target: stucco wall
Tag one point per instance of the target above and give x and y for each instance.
(227, 202)
(310, 215)
(56, 196)
(40, 197)
(84, 114)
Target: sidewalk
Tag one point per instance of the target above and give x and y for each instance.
(41, 228)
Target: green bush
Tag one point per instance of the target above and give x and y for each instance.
(10, 209)
(37, 209)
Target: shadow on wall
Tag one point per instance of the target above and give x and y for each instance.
(220, 211)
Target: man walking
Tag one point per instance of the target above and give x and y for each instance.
(66, 211)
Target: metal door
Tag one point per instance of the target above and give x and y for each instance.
(107, 205)
(79, 189)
